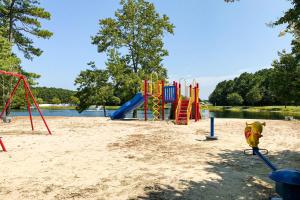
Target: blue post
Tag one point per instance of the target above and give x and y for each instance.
(212, 129)
(266, 161)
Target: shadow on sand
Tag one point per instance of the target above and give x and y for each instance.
(242, 177)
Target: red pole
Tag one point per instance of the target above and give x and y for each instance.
(191, 91)
(28, 106)
(10, 97)
(175, 103)
(199, 103)
(145, 99)
(2, 145)
(195, 103)
(37, 106)
(163, 100)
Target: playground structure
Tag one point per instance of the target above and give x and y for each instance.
(155, 94)
(28, 93)
(287, 180)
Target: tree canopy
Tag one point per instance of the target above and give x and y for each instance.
(20, 20)
(133, 42)
(278, 85)
(48, 94)
(94, 88)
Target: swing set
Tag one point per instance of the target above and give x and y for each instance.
(28, 93)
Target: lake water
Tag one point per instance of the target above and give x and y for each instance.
(252, 115)
(74, 113)
(100, 113)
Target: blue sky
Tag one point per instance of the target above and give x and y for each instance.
(213, 40)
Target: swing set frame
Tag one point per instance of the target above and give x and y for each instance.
(28, 93)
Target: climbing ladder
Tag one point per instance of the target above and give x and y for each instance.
(182, 117)
(155, 107)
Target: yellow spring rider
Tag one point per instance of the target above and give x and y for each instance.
(253, 132)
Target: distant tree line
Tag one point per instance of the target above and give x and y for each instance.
(55, 95)
(279, 85)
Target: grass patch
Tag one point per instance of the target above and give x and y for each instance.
(58, 108)
(282, 109)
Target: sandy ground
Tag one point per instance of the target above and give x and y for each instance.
(96, 158)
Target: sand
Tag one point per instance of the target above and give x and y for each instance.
(96, 158)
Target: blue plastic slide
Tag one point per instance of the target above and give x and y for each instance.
(129, 106)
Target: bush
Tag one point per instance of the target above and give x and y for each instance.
(234, 99)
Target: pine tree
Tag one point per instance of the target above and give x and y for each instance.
(20, 19)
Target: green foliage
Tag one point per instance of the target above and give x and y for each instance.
(19, 19)
(285, 79)
(234, 99)
(94, 88)
(279, 85)
(276, 86)
(56, 100)
(253, 88)
(74, 100)
(39, 100)
(290, 18)
(253, 96)
(48, 94)
(8, 61)
(133, 42)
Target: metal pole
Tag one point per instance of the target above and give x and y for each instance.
(145, 99)
(195, 104)
(37, 106)
(163, 100)
(212, 127)
(28, 105)
(10, 97)
(266, 161)
(199, 102)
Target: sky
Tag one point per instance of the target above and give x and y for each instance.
(213, 41)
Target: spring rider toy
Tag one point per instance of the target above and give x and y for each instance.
(287, 180)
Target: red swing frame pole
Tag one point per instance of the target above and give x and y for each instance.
(36, 105)
(10, 97)
(28, 92)
(28, 105)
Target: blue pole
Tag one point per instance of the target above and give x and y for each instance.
(267, 162)
(212, 127)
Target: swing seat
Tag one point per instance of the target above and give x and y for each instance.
(7, 119)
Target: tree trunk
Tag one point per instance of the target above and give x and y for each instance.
(104, 110)
(10, 39)
(134, 114)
